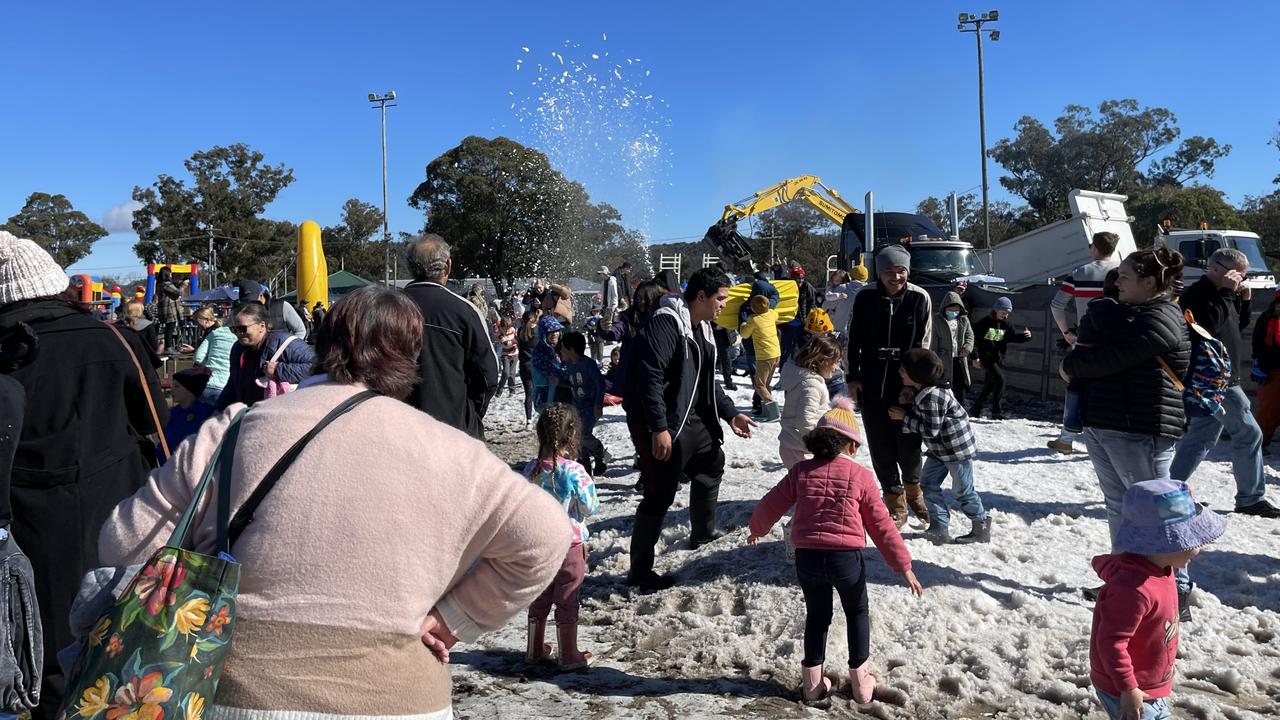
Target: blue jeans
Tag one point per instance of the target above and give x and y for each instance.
(837, 386)
(1246, 446)
(935, 471)
(1157, 709)
(1121, 459)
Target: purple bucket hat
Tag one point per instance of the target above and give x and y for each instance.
(1160, 517)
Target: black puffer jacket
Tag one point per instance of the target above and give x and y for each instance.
(1126, 389)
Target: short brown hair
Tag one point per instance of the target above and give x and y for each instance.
(372, 336)
(1106, 243)
(820, 350)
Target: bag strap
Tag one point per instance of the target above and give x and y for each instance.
(146, 390)
(178, 537)
(280, 350)
(1172, 376)
(244, 516)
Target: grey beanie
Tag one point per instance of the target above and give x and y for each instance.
(893, 255)
(1003, 303)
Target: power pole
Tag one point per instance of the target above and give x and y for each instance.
(382, 101)
(977, 21)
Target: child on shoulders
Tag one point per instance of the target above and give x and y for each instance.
(950, 447)
(558, 474)
(837, 501)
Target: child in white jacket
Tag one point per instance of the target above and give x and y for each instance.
(806, 400)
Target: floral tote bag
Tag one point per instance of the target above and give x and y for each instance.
(159, 651)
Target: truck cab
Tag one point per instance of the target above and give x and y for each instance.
(1197, 246)
(935, 257)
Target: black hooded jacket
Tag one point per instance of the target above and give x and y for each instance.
(1125, 386)
(881, 327)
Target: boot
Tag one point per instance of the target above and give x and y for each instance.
(980, 533)
(937, 533)
(644, 536)
(862, 682)
(897, 505)
(601, 468)
(537, 650)
(770, 412)
(703, 503)
(815, 684)
(570, 657)
(915, 500)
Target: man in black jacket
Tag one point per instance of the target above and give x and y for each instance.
(1219, 302)
(888, 319)
(676, 426)
(458, 367)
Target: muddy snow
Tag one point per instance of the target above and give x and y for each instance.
(1002, 630)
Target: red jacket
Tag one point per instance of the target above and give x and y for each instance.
(837, 502)
(1135, 626)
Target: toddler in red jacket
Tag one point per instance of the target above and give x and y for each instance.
(837, 502)
(1135, 621)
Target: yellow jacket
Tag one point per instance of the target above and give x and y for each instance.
(763, 329)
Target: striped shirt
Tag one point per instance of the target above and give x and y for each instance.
(1084, 285)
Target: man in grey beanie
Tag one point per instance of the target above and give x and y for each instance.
(889, 318)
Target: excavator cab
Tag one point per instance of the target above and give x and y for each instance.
(730, 245)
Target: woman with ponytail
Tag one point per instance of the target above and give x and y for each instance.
(1132, 403)
(1266, 362)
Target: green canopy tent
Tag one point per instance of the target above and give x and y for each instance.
(340, 283)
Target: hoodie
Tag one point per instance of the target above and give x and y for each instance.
(806, 399)
(952, 336)
(762, 328)
(1135, 626)
(672, 374)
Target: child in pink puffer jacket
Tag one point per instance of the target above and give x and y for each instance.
(836, 503)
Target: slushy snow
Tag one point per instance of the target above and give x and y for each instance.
(1001, 631)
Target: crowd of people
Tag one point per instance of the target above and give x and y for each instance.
(103, 468)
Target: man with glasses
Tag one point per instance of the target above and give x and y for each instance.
(254, 356)
(1219, 301)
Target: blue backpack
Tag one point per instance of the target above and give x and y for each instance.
(1209, 373)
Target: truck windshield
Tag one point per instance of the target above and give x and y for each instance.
(1249, 246)
(957, 261)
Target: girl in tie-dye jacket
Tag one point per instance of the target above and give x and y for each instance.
(559, 433)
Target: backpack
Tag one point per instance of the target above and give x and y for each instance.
(1208, 374)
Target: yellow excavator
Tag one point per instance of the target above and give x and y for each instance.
(724, 234)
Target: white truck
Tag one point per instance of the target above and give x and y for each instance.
(1197, 246)
(1050, 252)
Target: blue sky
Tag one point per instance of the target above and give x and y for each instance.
(869, 96)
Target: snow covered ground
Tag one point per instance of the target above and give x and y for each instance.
(1002, 630)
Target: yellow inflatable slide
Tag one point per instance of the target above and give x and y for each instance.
(788, 302)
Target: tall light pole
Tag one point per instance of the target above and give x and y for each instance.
(977, 21)
(381, 101)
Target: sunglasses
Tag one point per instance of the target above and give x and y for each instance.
(242, 329)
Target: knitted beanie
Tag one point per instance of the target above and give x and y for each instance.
(858, 272)
(1003, 303)
(27, 271)
(194, 379)
(842, 419)
(893, 256)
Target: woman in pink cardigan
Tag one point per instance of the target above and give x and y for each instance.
(837, 503)
(391, 536)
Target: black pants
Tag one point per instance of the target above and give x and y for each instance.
(695, 455)
(722, 354)
(992, 386)
(895, 455)
(526, 380)
(959, 379)
(819, 571)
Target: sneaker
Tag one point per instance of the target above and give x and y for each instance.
(1262, 508)
(600, 467)
(1062, 446)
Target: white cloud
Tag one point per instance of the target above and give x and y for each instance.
(120, 217)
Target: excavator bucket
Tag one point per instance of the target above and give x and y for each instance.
(730, 244)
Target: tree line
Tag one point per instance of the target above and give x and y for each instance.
(509, 214)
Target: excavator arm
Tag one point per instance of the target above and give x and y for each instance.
(734, 247)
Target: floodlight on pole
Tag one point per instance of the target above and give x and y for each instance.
(382, 101)
(978, 30)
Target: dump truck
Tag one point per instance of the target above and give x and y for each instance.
(1048, 253)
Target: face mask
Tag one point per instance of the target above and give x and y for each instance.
(952, 314)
